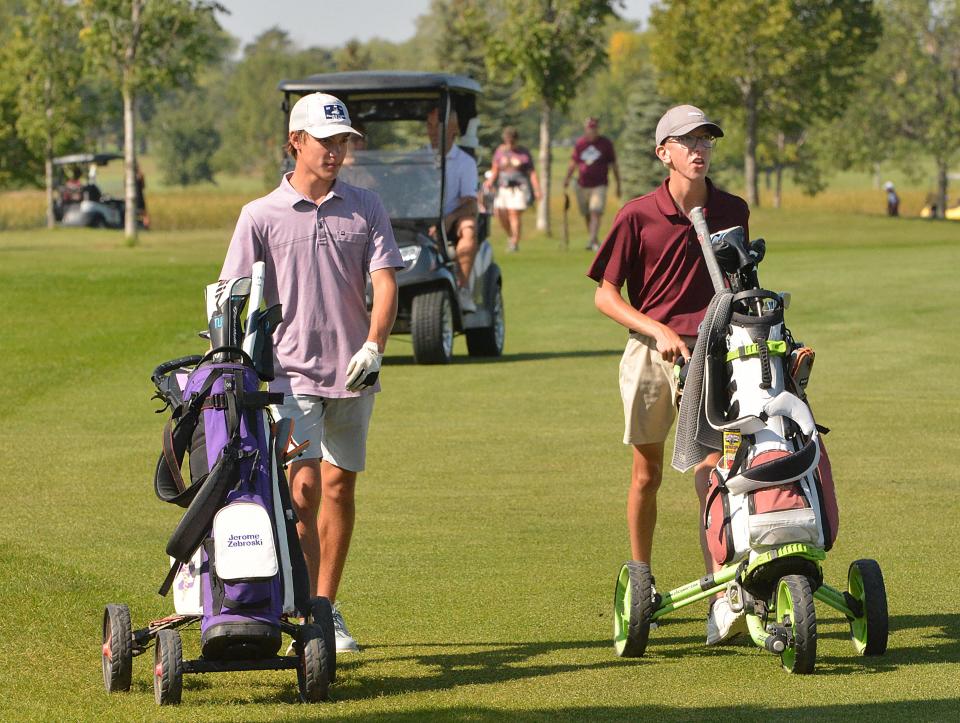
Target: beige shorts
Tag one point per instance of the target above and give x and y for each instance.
(335, 428)
(591, 200)
(647, 388)
(511, 199)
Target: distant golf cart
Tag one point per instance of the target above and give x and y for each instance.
(395, 159)
(78, 200)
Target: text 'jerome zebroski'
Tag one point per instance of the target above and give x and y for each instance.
(244, 541)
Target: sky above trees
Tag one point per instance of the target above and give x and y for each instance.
(393, 20)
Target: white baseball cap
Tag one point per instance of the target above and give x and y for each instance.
(321, 116)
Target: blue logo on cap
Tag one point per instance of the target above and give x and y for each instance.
(334, 111)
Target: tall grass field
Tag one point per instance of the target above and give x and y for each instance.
(491, 518)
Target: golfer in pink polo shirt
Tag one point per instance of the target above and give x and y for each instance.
(320, 238)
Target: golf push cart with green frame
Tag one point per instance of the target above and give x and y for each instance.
(395, 160)
(770, 514)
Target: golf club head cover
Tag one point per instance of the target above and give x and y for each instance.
(263, 322)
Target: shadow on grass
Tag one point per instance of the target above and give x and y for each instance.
(437, 667)
(939, 709)
(943, 646)
(402, 361)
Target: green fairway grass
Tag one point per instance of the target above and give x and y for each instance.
(491, 518)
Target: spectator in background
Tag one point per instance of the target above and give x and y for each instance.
(72, 191)
(142, 216)
(513, 176)
(893, 200)
(593, 156)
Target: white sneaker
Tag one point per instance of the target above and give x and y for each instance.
(345, 641)
(656, 599)
(723, 623)
(466, 300)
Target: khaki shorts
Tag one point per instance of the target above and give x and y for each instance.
(511, 198)
(591, 200)
(647, 388)
(335, 428)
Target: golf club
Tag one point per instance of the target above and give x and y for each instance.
(703, 233)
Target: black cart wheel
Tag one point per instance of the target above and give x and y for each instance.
(313, 666)
(632, 609)
(794, 610)
(117, 650)
(431, 326)
(870, 629)
(168, 668)
(321, 613)
(488, 341)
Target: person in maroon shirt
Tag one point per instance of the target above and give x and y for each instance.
(653, 248)
(592, 157)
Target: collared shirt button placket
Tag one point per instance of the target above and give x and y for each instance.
(321, 229)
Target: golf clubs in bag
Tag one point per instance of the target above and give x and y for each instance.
(773, 484)
(236, 557)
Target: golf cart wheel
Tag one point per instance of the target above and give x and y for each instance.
(168, 668)
(870, 629)
(117, 650)
(488, 341)
(794, 610)
(313, 665)
(321, 613)
(431, 326)
(632, 609)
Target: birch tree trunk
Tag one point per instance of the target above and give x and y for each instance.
(778, 178)
(543, 206)
(129, 125)
(750, 149)
(130, 160)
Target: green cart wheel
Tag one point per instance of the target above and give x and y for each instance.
(870, 629)
(632, 609)
(794, 610)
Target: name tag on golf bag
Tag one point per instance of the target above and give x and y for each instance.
(243, 543)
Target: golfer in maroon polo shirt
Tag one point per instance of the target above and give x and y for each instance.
(653, 248)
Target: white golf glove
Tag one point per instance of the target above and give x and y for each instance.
(364, 368)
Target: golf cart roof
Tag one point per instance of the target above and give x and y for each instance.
(377, 80)
(99, 158)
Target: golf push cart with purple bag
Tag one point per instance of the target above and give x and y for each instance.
(236, 564)
(771, 513)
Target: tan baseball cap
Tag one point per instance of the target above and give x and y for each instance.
(682, 119)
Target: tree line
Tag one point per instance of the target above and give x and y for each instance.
(802, 87)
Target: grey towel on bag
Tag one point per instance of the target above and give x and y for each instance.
(695, 437)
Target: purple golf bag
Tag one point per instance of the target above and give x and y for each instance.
(236, 557)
